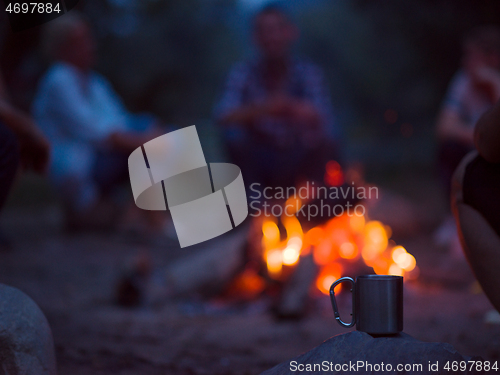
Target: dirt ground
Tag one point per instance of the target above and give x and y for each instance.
(73, 279)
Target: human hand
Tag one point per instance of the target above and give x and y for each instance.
(34, 150)
(305, 112)
(34, 147)
(129, 140)
(119, 141)
(485, 75)
(279, 105)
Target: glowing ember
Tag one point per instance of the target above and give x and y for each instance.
(334, 175)
(357, 223)
(276, 252)
(395, 270)
(290, 256)
(274, 259)
(348, 250)
(327, 276)
(376, 241)
(248, 284)
(271, 233)
(315, 236)
(403, 259)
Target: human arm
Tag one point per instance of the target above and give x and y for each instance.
(235, 109)
(244, 114)
(232, 108)
(129, 141)
(77, 107)
(34, 148)
(490, 79)
(311, 109)
(315, 109)
(450, 123)
(487, 135)
(277, 105)
(451, 126)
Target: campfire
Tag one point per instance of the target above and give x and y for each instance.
(341, 245)
(341, 240)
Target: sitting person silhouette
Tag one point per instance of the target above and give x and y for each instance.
(90, 130)
(22, 144)
(473, 91)
(275, 111)
(475, 193)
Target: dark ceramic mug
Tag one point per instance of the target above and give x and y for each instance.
(377, 303)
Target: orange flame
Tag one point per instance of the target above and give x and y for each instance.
(346, 238)
(279, 253)
(327, 276)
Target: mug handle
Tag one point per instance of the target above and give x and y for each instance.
(334, 302)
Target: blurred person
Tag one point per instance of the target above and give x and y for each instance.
(276, 110)
(90, 130)
(487, 137)
(482, 180)
(21, 144)
(476, 188)
(473, 90)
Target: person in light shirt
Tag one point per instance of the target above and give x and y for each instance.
(88, 126)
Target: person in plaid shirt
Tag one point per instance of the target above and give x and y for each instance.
(276, 111)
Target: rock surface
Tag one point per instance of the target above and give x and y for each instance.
(26, 345)
(340, 354)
